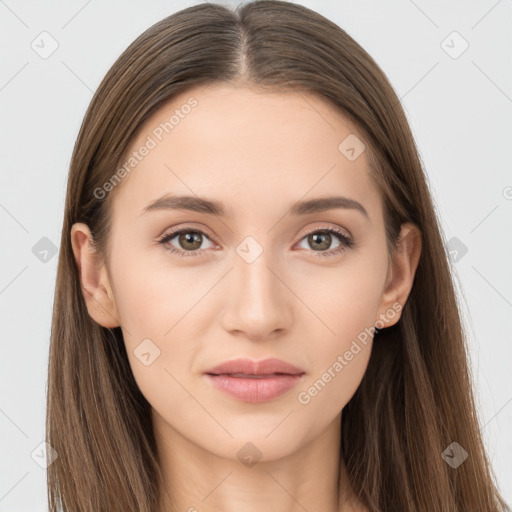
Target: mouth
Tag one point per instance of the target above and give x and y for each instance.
(254, 388)
(254, 381)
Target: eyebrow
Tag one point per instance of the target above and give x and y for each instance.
(216, 208)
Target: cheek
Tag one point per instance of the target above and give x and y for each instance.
(343, 300)
(153, 294)
(158, 304)
(345, 308)
(332, 387)
(340, 356)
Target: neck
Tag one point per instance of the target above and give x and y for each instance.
(195, 480)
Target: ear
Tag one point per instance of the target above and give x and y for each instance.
(94, 279)
(400, 276)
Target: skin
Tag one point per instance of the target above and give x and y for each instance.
(256, 152)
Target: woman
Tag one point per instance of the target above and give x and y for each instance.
(254, 309)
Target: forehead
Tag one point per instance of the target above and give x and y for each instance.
(250, 148)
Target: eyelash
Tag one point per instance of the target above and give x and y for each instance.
(345, 242)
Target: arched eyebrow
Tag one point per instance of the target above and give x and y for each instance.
(216, 208)
(322, 204)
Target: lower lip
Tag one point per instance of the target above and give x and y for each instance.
(255, 390)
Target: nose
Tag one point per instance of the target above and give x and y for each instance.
(258, 302)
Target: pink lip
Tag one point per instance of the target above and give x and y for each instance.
(275, 377)
(264, 367)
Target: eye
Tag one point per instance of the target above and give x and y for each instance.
(322, 238)
(189, 239)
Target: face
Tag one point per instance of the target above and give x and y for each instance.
(192, 288)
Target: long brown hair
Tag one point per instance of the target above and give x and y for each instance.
(416, 396)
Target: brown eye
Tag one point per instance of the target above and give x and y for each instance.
(320, 241)
(189, 242)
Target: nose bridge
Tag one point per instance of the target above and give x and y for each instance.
(258, 304)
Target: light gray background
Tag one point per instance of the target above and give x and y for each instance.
(460, 112)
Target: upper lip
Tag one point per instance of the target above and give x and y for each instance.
(248, 367)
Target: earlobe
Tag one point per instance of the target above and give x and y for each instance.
(400, 276)
(94, 279)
